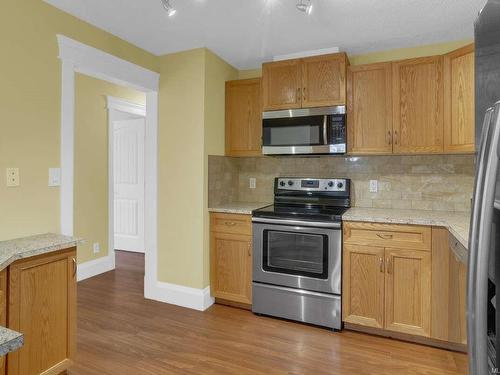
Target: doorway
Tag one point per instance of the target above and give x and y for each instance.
(126, 155)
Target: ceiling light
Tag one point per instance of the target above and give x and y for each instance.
(168, 7)
(305, 6)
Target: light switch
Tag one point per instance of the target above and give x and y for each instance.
(54, 176)
(252, 183)
(373, 186)
(12, 177)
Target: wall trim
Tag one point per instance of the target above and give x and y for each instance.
(123, 105)
(94, 267)
(192, 298)
(77, 57)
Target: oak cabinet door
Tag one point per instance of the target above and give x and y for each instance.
(3, 312)
(408, 291)
(363, 285)
(231, 267)
(42, 305)
(324, 80)
(459, 132)
(243, 118)
(418, 105)
(281, 85)
(369, 109)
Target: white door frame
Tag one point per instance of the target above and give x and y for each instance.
(115, 105)
(77, 57)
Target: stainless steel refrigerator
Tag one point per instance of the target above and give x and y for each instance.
(483, 319)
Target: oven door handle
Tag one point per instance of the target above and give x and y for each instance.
(317, 224)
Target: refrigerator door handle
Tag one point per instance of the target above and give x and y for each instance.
(479, 243)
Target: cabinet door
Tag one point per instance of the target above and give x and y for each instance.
(42, 305)
(459, 100)
(324, 80)
(3, 312)
(281, 85)
(363, 285)
(408, 291)
(418, 105)
(243, 118)
(231, 267)
(369, 109)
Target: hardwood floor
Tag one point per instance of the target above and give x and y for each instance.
(119, 332)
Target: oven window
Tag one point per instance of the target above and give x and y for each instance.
(295, 253)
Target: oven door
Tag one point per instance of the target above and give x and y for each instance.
(303, 255)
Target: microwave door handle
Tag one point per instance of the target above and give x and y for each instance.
(480, 243)
(325, 129)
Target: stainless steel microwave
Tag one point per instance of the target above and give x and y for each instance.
(304, 131)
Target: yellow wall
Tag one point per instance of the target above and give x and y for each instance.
(91, 161)
(30, 107)
(250, 73)
(408, 53)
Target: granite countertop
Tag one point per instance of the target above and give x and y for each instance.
(456, 222)
(21, 248)
(244, 208)
(26, 247)
(10, 341)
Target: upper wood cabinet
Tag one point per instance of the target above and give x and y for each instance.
(231, 257)
(459, 100)
(304, 83)
(418, 105)
(369, 109)
(42, 305)
(281, 85)
(243, 117)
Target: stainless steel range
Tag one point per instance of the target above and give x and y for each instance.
(297, 247)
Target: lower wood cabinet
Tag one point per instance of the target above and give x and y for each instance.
(42, 305)
(231, 258)
(391, 287)
(387, 288)
(3, 313)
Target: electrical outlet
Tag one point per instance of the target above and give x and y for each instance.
(373, 186)
(12, 177)
(97, 247)
(54, 176)
(252, 183)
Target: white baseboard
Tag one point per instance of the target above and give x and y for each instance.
(94, 267)
(192, 298)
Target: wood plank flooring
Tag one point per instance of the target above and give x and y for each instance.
(119, 332)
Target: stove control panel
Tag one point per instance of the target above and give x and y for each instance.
(312, 184)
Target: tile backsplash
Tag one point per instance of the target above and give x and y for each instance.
(428, 182)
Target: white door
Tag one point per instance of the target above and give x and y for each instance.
(128, 170)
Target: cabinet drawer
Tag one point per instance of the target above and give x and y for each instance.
(231, 223)
(388, 235)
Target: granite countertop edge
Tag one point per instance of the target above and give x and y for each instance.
(243, 208)
(10, 341)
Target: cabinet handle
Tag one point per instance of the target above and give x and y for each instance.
(74, 266)
(389, 265)
(381, 264)
(298, 94)
(230, 223)
(249, 249)
(395, 137)
(384, 236)
(389, 138)
(304, 94)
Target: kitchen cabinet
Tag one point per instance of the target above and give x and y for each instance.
(316, 81)
(3, 313)
(42, 305)
(449, 290)
(459, 100)
(408, 291)
(243, 117)
(418, 105)
(386, 283)
(369, 109)
(231, 258)
(363, 285)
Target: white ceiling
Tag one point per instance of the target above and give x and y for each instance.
(247, 32)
